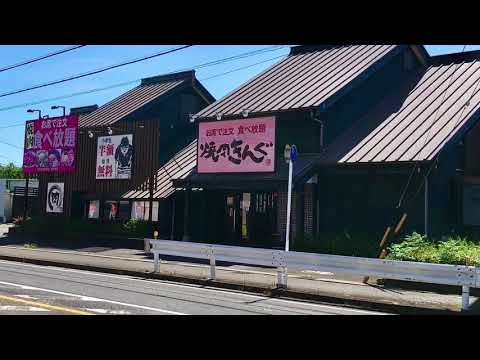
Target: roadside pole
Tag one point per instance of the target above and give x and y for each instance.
(290, 155)
(289, 204)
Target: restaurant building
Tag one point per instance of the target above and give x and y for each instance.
(122, 145)
(380, 130)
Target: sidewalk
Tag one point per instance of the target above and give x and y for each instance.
(301, 284)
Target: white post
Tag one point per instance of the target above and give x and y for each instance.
(289, 204)
(426, 205)
(156, 262)
(282, 277)
(212, 267)
(465, 298)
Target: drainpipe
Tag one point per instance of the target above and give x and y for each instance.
(315, 117)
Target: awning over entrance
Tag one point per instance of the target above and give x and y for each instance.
(178, 167)
(303, 169)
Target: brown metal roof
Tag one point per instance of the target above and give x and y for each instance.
(150, 89)
(178, 167)
(304, 79)
(416, 120)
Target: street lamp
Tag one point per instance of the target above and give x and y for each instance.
(34, 110)
(55, 107)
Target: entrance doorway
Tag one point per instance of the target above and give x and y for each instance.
(251, 218)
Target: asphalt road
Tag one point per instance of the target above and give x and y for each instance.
(28, 289)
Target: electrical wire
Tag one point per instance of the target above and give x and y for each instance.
(23, 63)
(78, 76)
(240, 68)
(216, 62)
(12, 145)
(121, 85)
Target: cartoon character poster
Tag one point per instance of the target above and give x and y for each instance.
(114, 157)
(50, 145)
(55, 193)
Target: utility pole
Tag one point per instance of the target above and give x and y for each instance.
(290, 155)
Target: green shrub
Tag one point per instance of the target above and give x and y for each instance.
(140, 228)
(454, 249)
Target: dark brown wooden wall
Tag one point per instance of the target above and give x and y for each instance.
(146, 148)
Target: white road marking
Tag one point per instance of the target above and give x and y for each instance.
(26, 297)
(26, 287)
(317, 272)
(20, 308)
(258, 297)
(111, 312)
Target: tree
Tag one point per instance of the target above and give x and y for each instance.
(11, 171)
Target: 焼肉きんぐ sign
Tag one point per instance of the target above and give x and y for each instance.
(50, 145)
(236, 146)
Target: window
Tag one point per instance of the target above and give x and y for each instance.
(111, 210)
(93, 209)
(124, 210)
(141, 210)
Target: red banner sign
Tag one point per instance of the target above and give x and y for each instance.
(50, 145)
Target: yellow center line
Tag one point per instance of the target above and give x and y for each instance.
(45, 306)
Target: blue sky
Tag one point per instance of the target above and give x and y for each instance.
(97, 56)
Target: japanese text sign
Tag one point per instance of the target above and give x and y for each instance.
(50, 145)
(245, 145)
(114, 157)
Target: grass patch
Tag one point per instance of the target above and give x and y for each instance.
(454, 249)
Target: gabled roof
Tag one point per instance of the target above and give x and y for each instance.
(149, 90)
(178, 167)
(418, 118)
(309, 77)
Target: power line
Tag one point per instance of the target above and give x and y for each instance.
(74, 77)
(23, 63)
(12, 145)
(215, 62)
(241, 68)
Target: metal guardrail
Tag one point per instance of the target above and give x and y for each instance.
(465, 276)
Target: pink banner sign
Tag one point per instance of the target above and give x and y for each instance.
(50, 145)
(236, 146)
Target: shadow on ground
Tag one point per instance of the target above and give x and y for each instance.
(108, 246)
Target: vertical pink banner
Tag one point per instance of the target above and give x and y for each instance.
(50, 145)
(236, 146)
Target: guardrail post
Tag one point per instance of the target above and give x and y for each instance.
(465, 298)
(282, 277)
(212, 267)
(156, 264)
(211, 256)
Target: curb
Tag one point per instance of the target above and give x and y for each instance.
(324, 299)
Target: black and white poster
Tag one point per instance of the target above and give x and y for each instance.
(55, 193)
(114, 157)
